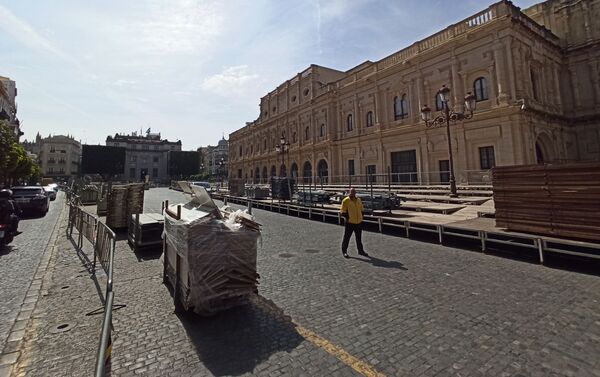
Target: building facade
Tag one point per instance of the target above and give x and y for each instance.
(8, 104)
(59, 156)
(214, 159)
(535, 74)
(145, 155)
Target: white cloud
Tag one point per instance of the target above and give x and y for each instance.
(26, 34)
(124, 82)
(233, 80)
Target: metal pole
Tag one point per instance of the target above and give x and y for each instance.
(453, 193)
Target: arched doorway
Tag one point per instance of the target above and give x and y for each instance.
(544, 149)
(307, 172)
(282, 171)
(322, 171)
(265, 174)
(257, 174)
(294, 170)
(273, 171)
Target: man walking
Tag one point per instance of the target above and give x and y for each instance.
(352, 210)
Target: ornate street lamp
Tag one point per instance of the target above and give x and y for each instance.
(282, 148)
(446, 115)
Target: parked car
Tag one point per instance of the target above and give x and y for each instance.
(50, 192)
(206, 185)
(31, 198)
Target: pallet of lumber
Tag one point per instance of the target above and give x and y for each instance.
(559, 200)
(122, 201)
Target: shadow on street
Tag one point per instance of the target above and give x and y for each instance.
(376, 262)
(235, 341)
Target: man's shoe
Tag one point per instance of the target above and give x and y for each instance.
(364, 254)
(345, 254)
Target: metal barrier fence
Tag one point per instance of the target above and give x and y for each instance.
(486, 238)
(103, 240)
(463, 178)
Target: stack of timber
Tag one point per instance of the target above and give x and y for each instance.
(123, 200)
(210, 254)
(559, 200)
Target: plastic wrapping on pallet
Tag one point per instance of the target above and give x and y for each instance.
(217, 254)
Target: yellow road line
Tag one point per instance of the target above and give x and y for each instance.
(337, 351)
(358, 365)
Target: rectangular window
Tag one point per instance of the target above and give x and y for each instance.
(132, 158)
(132, 173)
(50, 170)
(444, 166)
(487, 158)
(371, 172)
(351, 167)
(154, 172)
(145, 147)
(154, 159)
(404, 166)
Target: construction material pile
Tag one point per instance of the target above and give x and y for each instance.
(210, 254)
(257, 191)
(123, 200)
(560, 200)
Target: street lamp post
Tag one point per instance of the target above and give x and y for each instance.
(444, 118)
(282, 148)
(221, 164)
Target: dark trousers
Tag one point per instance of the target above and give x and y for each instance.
(348, 230)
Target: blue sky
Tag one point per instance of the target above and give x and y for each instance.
(190, 69)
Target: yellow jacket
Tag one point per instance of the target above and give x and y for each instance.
(354, 209)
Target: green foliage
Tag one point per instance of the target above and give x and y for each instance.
(15, 165)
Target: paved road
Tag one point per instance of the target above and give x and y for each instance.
(413, 309)
(19, 261)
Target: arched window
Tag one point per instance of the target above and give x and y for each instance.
(439, 105)
(240, 151)
(400, 107)
(322, 130)
(370, 119)
(307, 170)
(480, 89)
(323, 171)
(264, 174)
(294, 137)
(294, 170)
(257, 173)
(349, 125)
(273, 171)
(265, 144)
(307, 133)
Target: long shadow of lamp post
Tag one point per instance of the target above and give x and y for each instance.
(444, 118)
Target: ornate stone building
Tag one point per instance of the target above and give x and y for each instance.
(535, 74)
(144, 155)
(8, 104)
(59, 155)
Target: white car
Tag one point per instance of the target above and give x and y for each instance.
(50, 192)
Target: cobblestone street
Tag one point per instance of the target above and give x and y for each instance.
(411, 309)
(19, 261)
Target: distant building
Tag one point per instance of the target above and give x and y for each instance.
(145, 155)
(214, 159)
(8, 104)
(58, 155)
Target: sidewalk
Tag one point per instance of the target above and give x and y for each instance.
(61, 339)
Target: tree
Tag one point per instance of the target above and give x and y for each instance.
(15, 164)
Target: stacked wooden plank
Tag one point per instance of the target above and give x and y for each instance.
(560, 200)
(211, 258)
(123, 200)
